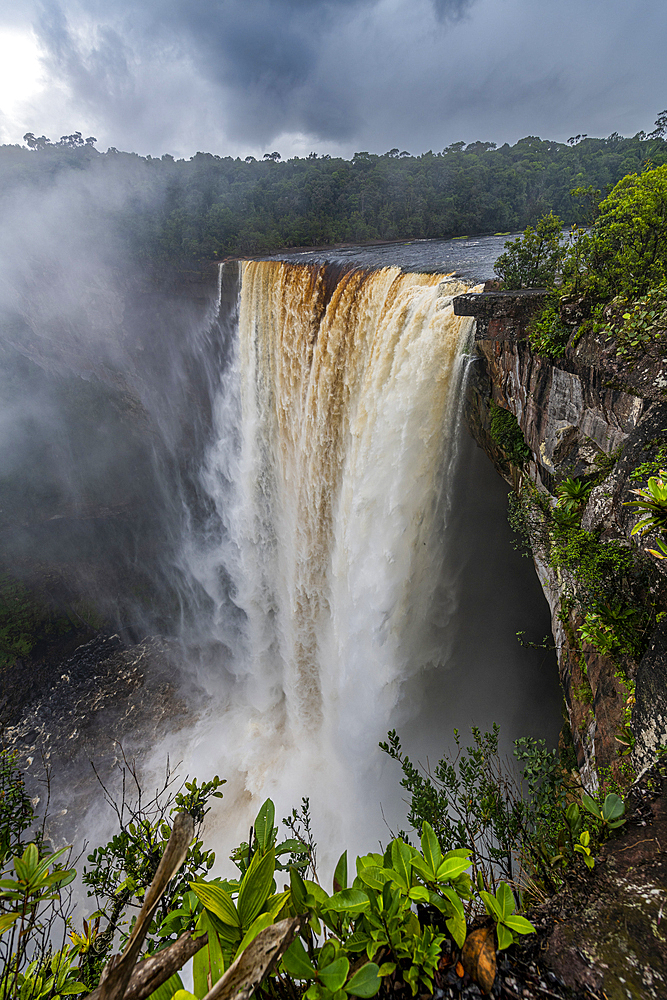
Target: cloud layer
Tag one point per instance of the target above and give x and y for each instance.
(244, 76)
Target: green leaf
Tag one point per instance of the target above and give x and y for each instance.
(260, 923)
(291, 847)
(505, 899)
(440, 903)
(423, 869)
(201, 968)
(297, 963)
(492, 907)
(591, 806)
(334, 975)
(219, 902)
(390, 898)
(572, 815)
(365, 982)
(275, 903)
(419, 894)
(58, 878)
(20, 869)
(456, 925)
(183, 995)
(612, 808)
(387, 968)
(317, 892)
(350, 901)
(451, 868)
(6, 921)
(459, 852)
(327, 953)
(453, 897)
(209, 959)
(340, 873)
(70, 989)
(298, 889)
(519, 924)
(49, 860)
(430, 847)
(504, 936)
(30, 859)
(364, 860)
(375, 877)
(264, 826)
(215, 952)
(401, 862)
(255, 887)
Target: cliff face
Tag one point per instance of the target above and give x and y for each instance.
(585, 415)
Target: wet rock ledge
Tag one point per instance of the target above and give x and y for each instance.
(106, 701)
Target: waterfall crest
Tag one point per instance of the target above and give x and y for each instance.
(334, 444)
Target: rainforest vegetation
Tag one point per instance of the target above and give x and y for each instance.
(185, 212)
(487, 840)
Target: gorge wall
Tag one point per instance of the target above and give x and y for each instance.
(588, 414)
(592, 416)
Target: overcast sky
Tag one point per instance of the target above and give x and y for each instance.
(238, 77)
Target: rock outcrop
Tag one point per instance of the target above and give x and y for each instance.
(108, 702)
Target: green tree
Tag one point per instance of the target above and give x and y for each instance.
(660, 126)
(533, 260)
(629, 246)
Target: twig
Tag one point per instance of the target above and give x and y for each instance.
(648, 840)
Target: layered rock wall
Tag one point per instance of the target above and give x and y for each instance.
(584, 415)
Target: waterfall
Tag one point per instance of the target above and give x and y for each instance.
(333, 445)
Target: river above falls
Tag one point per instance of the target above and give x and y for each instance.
(471, 258)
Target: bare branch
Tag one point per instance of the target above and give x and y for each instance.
(155, 970)
(256, 961)
(119, 970)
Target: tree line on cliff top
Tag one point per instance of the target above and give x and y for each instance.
(185, 212)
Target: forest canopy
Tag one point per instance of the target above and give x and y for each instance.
(186, 212)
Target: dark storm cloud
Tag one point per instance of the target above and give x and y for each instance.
(266, 56)
(244, 75)
(254, 64)
(270, 53)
